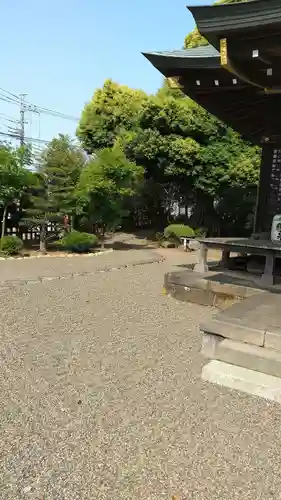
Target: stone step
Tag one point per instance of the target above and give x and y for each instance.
(230, 329)
(248, 356)
(243, 379)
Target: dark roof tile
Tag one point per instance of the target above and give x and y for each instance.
(197, 52)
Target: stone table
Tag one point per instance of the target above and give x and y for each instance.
(240, 245)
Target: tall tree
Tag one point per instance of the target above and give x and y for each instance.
(112, 109)
(181, 145)
(61, 166)
(104, 187)
(40, 212)
(14, 177)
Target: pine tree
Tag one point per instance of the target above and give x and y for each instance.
(41, 212)
(61, 165)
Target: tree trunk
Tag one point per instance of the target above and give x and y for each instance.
(204, 214)
(102, 237)
(3, 229)
(72, 223)
(43, 238)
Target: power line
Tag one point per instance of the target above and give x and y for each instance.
(8, 99)
(13, 98)
(19, 100)
(39, 109)
(10, 93)
(31, 139)
(7, 118)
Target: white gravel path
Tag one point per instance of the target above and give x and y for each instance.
(101, 398)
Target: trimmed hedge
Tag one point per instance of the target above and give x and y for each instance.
(11, 245)
(178, 231)
(78, 242)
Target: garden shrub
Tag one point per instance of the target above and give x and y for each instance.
(78, 242)
(200, 232)
(11, 245)
(177, 231)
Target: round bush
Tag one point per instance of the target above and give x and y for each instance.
(178, 231)
(11, 245)
(78, 242)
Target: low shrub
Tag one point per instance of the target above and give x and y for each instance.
(200, 232)
(177, 231)
(11, 245)
(78, 242)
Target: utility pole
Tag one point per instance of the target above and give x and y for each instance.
(22, 110)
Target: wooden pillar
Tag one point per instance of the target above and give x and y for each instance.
(260, 222)
(269, 191)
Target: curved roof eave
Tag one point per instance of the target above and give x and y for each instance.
(199, 57)
(220, 19)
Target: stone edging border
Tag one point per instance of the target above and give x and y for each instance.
(66, 256)
(105, 269)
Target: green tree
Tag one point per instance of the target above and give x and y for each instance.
(14, 177)
(112, 109)
(40, 212)
(61, 164)
(105, 186)
(186, 151)
(187, 154)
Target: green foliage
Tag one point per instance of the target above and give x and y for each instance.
(13, 176)
(105, 185)
(77, 242)
(185, 152)
(194, 39)
(178, 231)
(40, 211)
(61, 165)
(52, 194)
(200, 232)
(112, 109)
(11, 245)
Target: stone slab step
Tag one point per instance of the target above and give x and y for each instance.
(234, 331)
(254, 320)
(248, 356)
(243, 379)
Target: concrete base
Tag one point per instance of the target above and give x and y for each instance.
(243, 379)
(210, 289)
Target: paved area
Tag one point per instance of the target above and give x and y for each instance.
(32, 269)
(101, 396)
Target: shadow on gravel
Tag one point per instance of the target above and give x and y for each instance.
(118, 245)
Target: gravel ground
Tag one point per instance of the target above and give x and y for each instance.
(101, 398)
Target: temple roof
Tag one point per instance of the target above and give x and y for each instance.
(214, 21)
(205, 51)
(238, 78)
(203, 57)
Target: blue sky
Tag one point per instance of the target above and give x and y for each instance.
(59, 52)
